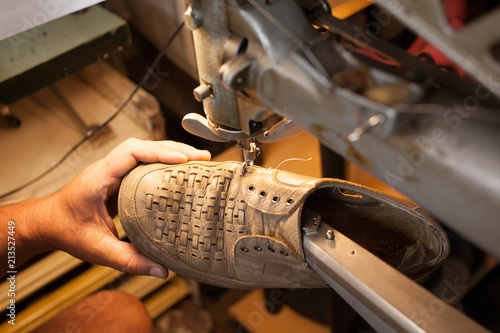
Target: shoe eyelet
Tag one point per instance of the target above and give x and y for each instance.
(263, 194)
(244, 249)
(270, 249)
(289, 202)
(251, 188)
(257, 248)
(284, 253)
(276, 199)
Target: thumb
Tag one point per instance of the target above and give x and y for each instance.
(126, 258)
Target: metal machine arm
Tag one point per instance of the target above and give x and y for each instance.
(385, 298)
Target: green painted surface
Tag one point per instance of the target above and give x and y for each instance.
(41, 44)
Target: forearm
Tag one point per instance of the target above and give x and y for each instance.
(19, 236)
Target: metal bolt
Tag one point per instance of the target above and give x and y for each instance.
(329, 234)
(202, 92)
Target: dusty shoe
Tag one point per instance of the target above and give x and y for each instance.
(206, 221)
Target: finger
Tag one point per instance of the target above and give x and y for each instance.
(153, 151)
(130, 153)
(126, 258)
(193, 154)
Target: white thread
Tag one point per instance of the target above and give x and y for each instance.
(294, 159)
(275, 172)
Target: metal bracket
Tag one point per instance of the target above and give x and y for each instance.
(388, 300)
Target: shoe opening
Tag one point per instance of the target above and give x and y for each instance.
(390, 230)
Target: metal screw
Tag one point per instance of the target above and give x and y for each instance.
(202, 92)
(329, 234)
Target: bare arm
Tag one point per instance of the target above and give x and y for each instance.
(76, 220)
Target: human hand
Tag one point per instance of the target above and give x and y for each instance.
(79, 222)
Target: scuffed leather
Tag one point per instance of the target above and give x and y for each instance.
(207, 221)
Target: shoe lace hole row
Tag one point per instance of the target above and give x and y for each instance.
(263, 194)
(269, 248)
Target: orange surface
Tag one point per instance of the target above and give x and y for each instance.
(345, 8)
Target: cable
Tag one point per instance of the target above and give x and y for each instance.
(92, 133)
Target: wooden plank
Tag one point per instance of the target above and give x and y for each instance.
(77, 289)
(141, 286)
(104, 82)
(43, 272)
(45, 110)
(252, 314)
(47, 99)
(167, 296)
(91, 107)
(38, 275)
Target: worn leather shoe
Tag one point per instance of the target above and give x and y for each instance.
(210, 222)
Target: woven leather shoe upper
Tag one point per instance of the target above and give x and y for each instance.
(206, 221)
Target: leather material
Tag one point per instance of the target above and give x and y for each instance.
(206, 221)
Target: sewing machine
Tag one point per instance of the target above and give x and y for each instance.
(270, 69)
